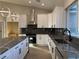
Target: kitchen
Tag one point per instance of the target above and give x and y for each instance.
(39, 29)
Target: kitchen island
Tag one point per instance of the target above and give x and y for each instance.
(14, 47)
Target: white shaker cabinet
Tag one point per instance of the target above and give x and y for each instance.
(22, 21)
(7, 55)
(16, 52)
(52, 47)
(24, 47)
(59, 17)
(42, 39)
(42, 20)
(50, 20)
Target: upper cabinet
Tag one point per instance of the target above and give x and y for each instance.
(42, 20)
(50, 20)
(23, 21)
(59, 17)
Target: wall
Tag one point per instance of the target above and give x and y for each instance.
(22, 9)
(67, 3)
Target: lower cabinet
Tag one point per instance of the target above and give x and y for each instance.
(24, 47)
(42, 39)
(52, 47)
(17, 52)
(58, 55)
(7, 55)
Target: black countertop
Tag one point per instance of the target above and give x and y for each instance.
(60, 42)
(8, 43)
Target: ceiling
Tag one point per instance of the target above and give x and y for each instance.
(49, 4)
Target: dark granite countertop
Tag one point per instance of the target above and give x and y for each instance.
(59, 45)
(8, 43)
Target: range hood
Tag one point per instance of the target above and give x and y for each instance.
(32, 21)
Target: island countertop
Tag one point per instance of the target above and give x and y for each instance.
(8, 43)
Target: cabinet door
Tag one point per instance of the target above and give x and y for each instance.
(25, 47)
(7, 55)
(39, 39)
(22, 50)
(58, 17)
(23, 21)
(42, 39)
(42, 20)
(16, 52)
(4, 56)
(20, 53)
(50, 20)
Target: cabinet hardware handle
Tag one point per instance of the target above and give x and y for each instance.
(21, 43)
(16, 47)
(20, 51)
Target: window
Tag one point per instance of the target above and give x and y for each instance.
(72, 19)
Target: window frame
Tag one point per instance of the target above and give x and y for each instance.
(67, 14)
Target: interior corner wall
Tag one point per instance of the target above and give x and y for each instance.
(67, 3)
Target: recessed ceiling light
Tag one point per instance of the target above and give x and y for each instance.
(43, 4)
(29, 2)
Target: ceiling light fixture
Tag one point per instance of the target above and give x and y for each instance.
(29, 2)
(43, 4)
